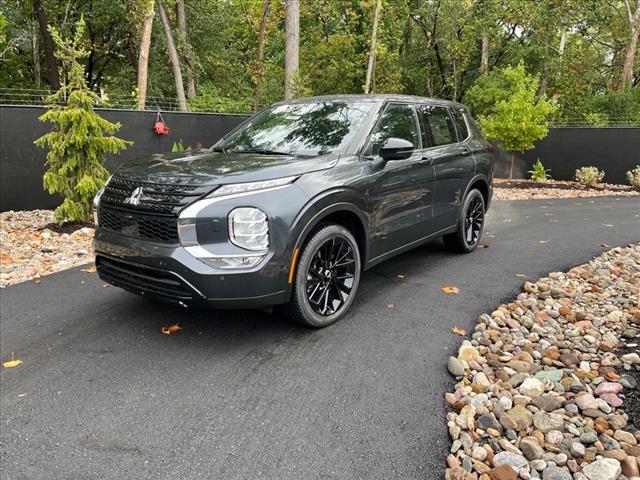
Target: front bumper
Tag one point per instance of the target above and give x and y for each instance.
(170, 274)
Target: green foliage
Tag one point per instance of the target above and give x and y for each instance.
(539, 173)
(80, 138)
(179, 147)
(612, 108)
(210, 99)
(633, 176)
(589, 176)
(521, 119)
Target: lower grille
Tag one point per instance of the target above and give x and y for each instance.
(150, 227)
(143, 280)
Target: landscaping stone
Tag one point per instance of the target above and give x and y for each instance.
(544, 380)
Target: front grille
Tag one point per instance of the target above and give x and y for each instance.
(139, 225)
(143, 280)
(152, 197)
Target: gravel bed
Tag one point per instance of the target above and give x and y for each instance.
(548, 385)
(33, 245)
(505, 189)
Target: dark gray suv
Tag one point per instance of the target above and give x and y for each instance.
(294, 204)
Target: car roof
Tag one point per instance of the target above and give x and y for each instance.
(373, 98)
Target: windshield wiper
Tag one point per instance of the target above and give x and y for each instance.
(263, 151)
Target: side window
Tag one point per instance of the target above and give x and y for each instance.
(439, 126)
(398, 121)
(458, 116)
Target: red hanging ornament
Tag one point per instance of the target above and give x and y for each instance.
(160, 128)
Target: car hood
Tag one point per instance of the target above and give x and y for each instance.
(216, 168)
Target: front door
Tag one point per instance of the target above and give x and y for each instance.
(401, 190)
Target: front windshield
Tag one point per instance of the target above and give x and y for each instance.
(300, 129)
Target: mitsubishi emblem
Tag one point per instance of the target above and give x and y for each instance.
(134, 198)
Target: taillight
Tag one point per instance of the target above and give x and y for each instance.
(491, 148)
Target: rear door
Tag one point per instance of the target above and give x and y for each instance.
(452, 159)
(401, 191)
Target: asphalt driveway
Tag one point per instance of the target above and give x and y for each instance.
(247, 395)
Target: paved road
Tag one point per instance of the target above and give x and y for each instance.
(102, 394)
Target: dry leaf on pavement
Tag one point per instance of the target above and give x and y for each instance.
(459, 331)
(450, 290)
(90, 269)
(169, 329)
(12, 363)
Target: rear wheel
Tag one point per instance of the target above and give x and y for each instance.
(470, 224)
(327, 277)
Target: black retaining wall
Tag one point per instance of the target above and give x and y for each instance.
(614, 150)
(22, 163)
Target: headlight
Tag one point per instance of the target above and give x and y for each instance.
(249, 228)
(235, 188)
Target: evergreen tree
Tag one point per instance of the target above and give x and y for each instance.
(80, 138)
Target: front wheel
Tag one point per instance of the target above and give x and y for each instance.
(470, 224)
(327, 277)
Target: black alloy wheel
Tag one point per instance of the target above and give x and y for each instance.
(474, 220)
(327, 277)
(470, 224)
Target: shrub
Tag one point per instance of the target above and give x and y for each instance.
(80, 138)
(634, 177)
(589, 176)
(539, 173)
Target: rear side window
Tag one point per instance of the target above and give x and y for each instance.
(458, 116)
(398, 120)
(439, 127)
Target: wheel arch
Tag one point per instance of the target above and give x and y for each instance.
(481, 183)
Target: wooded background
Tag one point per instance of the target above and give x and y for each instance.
(230, 55)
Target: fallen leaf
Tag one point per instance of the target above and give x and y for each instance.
(604, 245)
(483, 245)
(37, 281)
(400, 276)
(105, 285)
(169, 329)
(11, 363)
(607, 225)
(90, 269)
(543, 241)
(458, 331)
(450, 290)
(521, 275)
(508, 220)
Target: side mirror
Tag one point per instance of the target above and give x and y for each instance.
(396, 149)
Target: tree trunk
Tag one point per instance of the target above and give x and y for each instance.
(372, 48)
(35, 53)
(484, 58)
(143, 56)
(173, 56)
(257, 74)
(291, 48)
(53, 76)
(181, 20)
(630, 56)
(513, 161)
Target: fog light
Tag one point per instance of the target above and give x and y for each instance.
(233, 262)
(249, 228)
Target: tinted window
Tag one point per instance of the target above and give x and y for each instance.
(301, 128)
(438, 125)
(458, 116)
(397, 121)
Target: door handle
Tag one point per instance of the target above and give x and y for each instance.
(425, 161)
(466, 152)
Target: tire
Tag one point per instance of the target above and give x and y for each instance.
(320, 295)
(472, 215)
